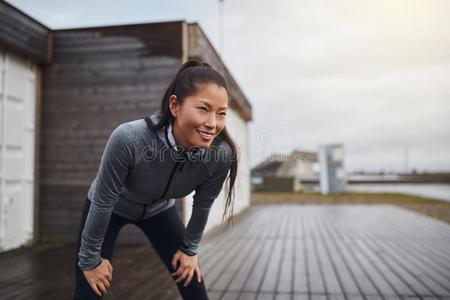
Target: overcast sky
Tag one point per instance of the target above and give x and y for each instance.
(372, 75)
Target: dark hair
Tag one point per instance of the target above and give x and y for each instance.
(191, 74)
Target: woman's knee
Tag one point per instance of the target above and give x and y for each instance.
(194, 290)
(82, 288)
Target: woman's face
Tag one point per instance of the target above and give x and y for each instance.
(201, 117)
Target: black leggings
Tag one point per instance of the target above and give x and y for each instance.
(165, 232)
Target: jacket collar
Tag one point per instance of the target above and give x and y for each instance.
(165, 134)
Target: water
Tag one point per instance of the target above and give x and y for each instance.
(429, 190)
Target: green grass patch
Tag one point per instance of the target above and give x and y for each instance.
(431, 207)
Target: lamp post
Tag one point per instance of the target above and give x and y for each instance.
(221, 21)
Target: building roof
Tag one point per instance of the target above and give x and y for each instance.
(276, 161)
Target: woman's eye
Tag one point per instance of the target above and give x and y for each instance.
(206, 109)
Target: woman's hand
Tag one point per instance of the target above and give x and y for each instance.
(100, 277)
(188, 266)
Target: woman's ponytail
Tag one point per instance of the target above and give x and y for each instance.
(171, 90)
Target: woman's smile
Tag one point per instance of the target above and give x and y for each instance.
(205, 135)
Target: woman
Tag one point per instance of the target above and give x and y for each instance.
(147, 164)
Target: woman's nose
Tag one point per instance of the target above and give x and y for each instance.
(211, 123)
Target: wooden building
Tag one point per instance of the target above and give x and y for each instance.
(80, 84)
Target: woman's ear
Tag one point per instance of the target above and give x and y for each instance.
(173, 105)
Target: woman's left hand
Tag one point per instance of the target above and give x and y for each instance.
(188, 266)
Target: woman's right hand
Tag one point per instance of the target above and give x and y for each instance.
(100, 277)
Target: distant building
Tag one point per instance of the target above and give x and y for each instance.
(282, 172)
(332, 172)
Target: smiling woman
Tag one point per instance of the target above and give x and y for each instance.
(198, 87)
(132, 187)
(201, 117)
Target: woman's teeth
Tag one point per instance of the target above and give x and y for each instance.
(205, 135)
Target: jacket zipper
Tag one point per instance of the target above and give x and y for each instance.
(168, 182)
(176, 165)
(143, 212)
(170, 179)
(165, 189)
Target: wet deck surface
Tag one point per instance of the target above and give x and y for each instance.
(273, 252)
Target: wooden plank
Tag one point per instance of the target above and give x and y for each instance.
(342, 264)
(330, 275)
(230, 264)
(224, 257)
(315, 272)
(247, 296)
(255, 280)
(424, 257)
(395, 269)
(301, 278)
(355, 264)
(396, 282)
(242, 271)
(422, 272)
(285, 278)
(272, 269)
(419, 272)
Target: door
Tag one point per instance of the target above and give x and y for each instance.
(17, 150)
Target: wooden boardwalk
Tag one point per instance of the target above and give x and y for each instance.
(287, 251)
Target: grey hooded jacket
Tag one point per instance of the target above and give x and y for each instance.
(141, 173)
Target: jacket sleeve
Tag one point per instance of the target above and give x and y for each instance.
(204, 196)
(116, 161)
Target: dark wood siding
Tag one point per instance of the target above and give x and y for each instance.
(201, 48)
(99, 78)
(21, 34)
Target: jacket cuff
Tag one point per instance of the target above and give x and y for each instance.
(89, 266)
(186, 249)
(187, 252)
